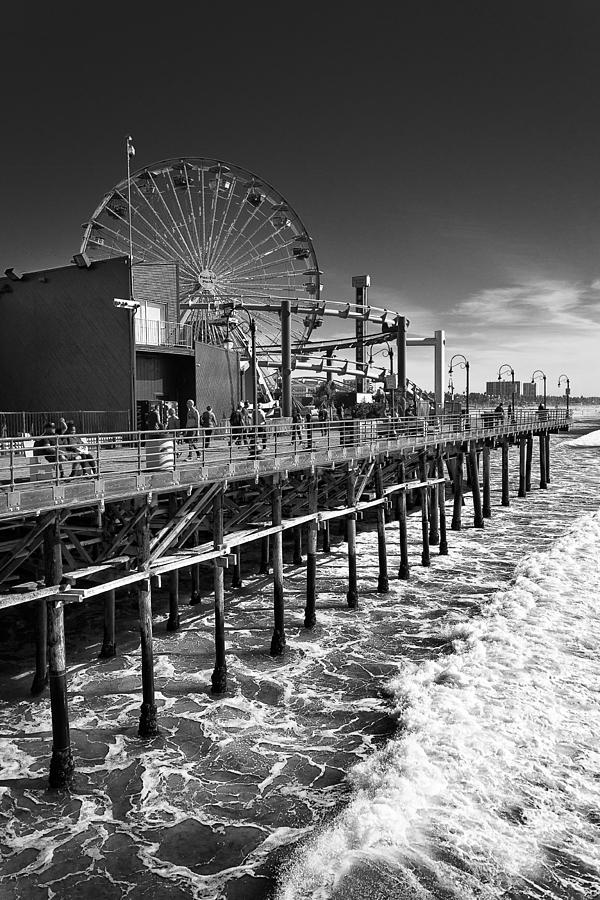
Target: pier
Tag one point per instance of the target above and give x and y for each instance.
(148, 512)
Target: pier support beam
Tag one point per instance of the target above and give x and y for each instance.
(147, 726)
(543, 481)
(487, 506)
(547, 457)
(352, 595)
(404, 568)
(505, 491)
(326, 537)
(458, 492)
(40, 625)
(173, 620)
(528, 462)
(442, 507)
(195, 575)
(109, 641)
(434, 514)
(424, 491)
(310, 618)
(383, 582)
(264, 555)
(278, 638)
(297, 558)
(522, 456)
(475, 491)
(236, 580)
(219, 675)
(61, 763)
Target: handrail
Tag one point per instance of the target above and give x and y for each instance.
(141, 452)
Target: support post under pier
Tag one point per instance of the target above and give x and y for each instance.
(442, 507)
(404, 568)
(383, 583)
(310, 618)
(278, 638)
(219, 675)
(352, 595)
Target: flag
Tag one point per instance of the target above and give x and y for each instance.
(130, 147)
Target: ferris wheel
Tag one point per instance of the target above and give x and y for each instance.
(233, 239)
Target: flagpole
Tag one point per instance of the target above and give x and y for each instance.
(129, 149)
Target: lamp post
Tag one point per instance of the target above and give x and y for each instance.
(567, 390)
(512, 378)
(535, 377)
(464, 364)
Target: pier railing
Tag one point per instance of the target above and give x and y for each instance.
(29, 464)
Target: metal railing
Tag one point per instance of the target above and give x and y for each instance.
(149, 333)
(55, 460)
(24, 423)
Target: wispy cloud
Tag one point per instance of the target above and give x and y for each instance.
(545, 304)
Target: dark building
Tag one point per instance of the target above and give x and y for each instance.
(66, 346)
(503, 389)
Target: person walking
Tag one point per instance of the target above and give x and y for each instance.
(246, 421)
(296, 428)
(208, 421)
(236, 422)
(192, 424)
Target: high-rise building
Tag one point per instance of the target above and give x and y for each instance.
(529, 390)
(503, 389)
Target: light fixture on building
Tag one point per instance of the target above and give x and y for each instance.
(82, 261)
(10, 273)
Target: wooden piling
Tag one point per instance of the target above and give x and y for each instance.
(195, 598)
(173, 620)
(547, 457)
(542, 442)
(265, 549)
(505, 484)
(297, 559)
(424, 492)
(404, 568)
(236, 580)
(475, 490)
(383, 583)
(352, 595)
(487, 506)
(442, 507)
(278, 638)
(528, 462)
(40, 625)
(457, 477)
(310, 617)
(326, 537)
(434, 517)
(522, 460)
(61, 763)
(109, 642)
(219, 675)
(147, 726)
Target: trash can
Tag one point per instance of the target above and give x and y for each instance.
(160, 452)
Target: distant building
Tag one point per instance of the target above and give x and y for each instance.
(529, 390)
(503, 389)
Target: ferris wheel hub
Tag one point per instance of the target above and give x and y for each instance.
(207, 282)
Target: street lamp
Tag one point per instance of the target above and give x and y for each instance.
(567, 390)
(535, 377)
(464, 364)
(512, 378)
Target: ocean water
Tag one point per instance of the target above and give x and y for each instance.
(442, 741)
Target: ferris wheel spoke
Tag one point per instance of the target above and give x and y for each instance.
(172, 244)
(211, 261)
(203, 208)
(215, 202)
(195, 220)
(183, 243)
(228, 247)
(257, 261)
(191, 247)
(250, 246)
(123, 243)
(172, 248)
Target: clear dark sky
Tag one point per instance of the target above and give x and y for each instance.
(449, 149)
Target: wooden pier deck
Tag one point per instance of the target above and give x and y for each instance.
(148, 511)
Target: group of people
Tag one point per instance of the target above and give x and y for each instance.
(61, 444)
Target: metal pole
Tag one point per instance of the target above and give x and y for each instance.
(467, 368)
(286, 358)
(401, 323)
(361, 284)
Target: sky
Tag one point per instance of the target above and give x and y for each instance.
(449, 149)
